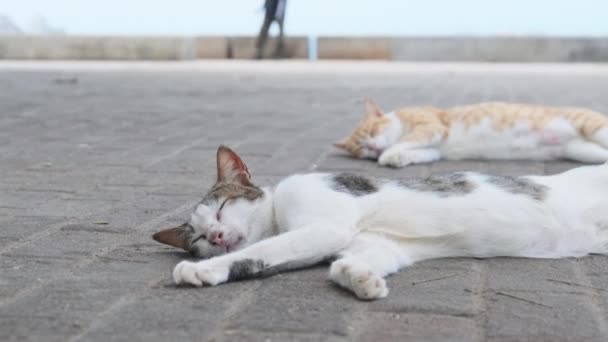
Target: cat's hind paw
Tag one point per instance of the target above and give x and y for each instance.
(368, 286)
(199, 274)
(363, 282)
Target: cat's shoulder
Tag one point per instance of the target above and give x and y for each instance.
(348, 182)
(302, 181)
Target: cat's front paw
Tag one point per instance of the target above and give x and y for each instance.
(199, 273)
(393, 158)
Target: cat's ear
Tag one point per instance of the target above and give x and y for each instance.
(230, 167)
(341, 143)
(372, 108)
(176, 237)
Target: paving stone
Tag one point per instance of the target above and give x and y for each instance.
(434, 287)
(542, 275)
(543, 316)
(295, 306)
(90, 170)
(379, 326)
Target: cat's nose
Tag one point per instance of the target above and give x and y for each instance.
(216, 238)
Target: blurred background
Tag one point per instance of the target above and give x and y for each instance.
(433, 30)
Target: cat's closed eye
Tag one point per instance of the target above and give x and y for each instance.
(202, 236)
(219, 211)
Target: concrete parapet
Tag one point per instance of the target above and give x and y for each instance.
(354, 48)
(474, 49)
(211, 47)
(245, 47)
(102, 48)
(500, 49)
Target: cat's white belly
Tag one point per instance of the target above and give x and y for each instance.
(489, 222)
(520, 141)
(471, 226)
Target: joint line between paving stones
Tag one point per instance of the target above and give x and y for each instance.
(357, 315)
(138, 229)
(130, 297)
(244, 299)
(103, 251)
(479, 305)
(174, 153)
(99, 253)
(87, 259)
(121, 302)
(45, 232)
(285, 147)
(55, 227)
(598, 314)
(322, 157)
(157, 141)
(181, 149)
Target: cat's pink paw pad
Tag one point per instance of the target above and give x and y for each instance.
(369, 286)
(362, 281)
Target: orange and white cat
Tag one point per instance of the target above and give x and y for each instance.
(493, 130)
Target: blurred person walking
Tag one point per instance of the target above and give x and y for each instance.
(274, 11)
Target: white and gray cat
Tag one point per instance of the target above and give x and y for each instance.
(373, 227)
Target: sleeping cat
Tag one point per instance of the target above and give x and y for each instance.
(374, 227)
(487, 131)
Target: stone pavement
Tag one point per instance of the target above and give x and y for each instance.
(97, 157)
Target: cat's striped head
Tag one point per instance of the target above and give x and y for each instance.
(375, 133)
(221, 221)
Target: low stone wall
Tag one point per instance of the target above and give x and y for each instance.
(245, 47)
(140, 48)
(477, 49)
(101, 48)
(474, 49)
(501, 49)
(354, 48)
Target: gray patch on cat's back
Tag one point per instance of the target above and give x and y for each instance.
(353, 184)
(520, 185)
(444, 185)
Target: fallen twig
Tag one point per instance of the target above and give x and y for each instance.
(522, 299)
(123, 260)
(575, 284)
(434, 279)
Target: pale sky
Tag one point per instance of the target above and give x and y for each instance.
(318, 17)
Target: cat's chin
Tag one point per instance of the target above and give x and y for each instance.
(235, 246)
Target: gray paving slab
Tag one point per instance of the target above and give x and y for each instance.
(90, 169)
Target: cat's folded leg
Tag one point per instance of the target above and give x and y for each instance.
(585, 151)
(295, 249)
(364, 265)
(401, 155)
(601, 137)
